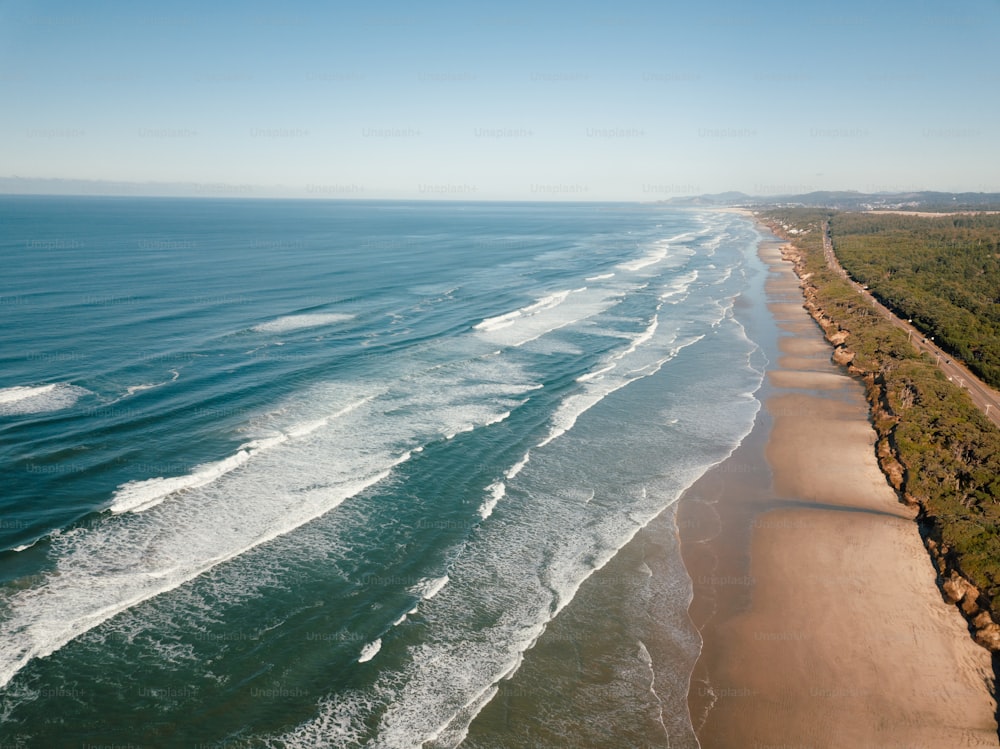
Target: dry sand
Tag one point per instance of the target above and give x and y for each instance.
(816, 600)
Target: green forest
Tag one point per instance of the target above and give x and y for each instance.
(944, 452)
(943, 273)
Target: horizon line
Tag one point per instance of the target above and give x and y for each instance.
(546, 193)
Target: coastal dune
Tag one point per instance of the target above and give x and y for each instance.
(821, 622)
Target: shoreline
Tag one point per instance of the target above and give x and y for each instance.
(813, 592)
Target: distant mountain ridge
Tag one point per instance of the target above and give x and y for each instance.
(849, 200)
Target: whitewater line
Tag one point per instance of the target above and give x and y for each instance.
(141, 495)
(646, 658)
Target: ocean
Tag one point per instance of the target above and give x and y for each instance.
(324, 473)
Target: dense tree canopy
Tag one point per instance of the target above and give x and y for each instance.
(944, 273)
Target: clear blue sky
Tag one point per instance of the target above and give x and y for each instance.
(514, 100)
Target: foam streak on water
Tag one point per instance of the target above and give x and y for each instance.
(298, 322)
(137, 496)
(224, 509)
(22, 399)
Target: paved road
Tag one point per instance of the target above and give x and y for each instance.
(982, 394)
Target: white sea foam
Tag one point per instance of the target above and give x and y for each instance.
(429, 587)
(461, 430)
(619, 369)
(629, 364)
(370, 650)
(726, 275)
(509, 318)
(518, 466)
(133, 389)
(647, 660)
(642, 338)
(654, 257)
(20, 393)
(714, 243)
(500, 417)
(297, 322)
(139, 496)
(500, 321)
(136, 496)
(304, 468)
(402, 617)
(685, 235)
(302, 430)
(498, 491)
(574, 406)
(474, 661)
(679, 285)
(660, 251)
(336, 726)
(596, 374)
(105, 570)
(601, 277)
(546, 315)
(453, 733)
(21, 399)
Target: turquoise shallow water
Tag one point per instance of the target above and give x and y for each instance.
(293, 473)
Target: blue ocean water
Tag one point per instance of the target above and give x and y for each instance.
(308, 473)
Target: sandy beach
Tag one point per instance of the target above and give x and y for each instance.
(815, 598)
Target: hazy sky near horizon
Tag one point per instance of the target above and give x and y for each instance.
(629, 100)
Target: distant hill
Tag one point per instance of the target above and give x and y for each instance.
(718, 199)
(853, 201)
